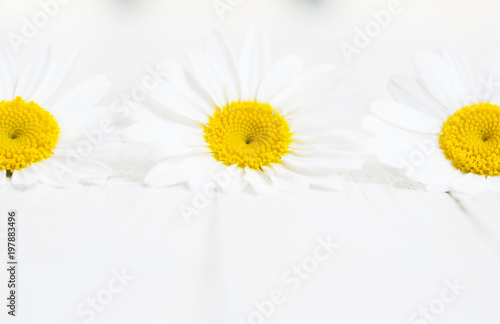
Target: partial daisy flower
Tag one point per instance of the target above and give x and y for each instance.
(46, 136)
(266, 125)
(444, 131)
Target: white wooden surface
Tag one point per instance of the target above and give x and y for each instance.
(398, 243)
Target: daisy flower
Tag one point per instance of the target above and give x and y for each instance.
(444, 130)
(269, 126)
(42, 134)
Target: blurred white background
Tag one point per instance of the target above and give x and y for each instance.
(398, 246)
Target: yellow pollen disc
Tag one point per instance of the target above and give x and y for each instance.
(28, 134)
(248, 134)
(471, 139)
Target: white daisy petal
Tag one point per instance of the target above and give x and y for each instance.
(380, 128)
(442, 187)
(93, 169)
(24, 178)
(55, 172)
(459, 72)
(329, 182)
(469, 184)
(237, 181)
(406, 118)
(223, 56)
(311, 86)
(434, 74)
(494, 183)
(56, 76)
(207, 178)
(316, 166)
(176, 170)
(8, 75)
(286, 180)
(435, 169)
(255, 59)
(33, 73)
(490, 72)
(148, 132)
(281, 74)
(208, 76)
(183, 103)
(3, 177)
(330, 108)
(83, 96)
(409, 91)
(184, 82)
(259, 182)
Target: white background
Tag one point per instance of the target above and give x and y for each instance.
(399, 244)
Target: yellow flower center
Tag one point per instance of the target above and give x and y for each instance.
(28, 134)
(248, 134)
(471, 139)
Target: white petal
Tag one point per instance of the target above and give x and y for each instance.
(460, 74)
(84, 96)
(469, 183)
(237, 181)
(183, 103)
(329, 182)
(259, 182)
(491, 68)
(435, 76)
(286, 180)
(208, 176)
(489, 80)
(184, 82)
(3, 177)
(177, 170)
(223, 57)
(406, 118)
(57, 74)
(89, 169)
(33, 74)
(309, 87)
(8, 75)
(409, 91)
(24, 178)
(208, 76)
(255, 60)
(435, 169)
(284, 71)
(494, 183)
(318, 166)
(149, 132)
(55, 172)
(331, 107)
(331, 141)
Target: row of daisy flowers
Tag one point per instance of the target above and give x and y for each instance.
(270, 126)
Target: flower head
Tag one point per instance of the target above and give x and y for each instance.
(42, 131)
(444, 131)
(268, 125)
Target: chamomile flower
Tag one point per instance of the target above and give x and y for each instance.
(41, 137)
(269, 126)
(444, 131)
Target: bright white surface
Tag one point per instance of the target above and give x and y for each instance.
(398, 243)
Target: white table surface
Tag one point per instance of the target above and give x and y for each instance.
(398, 244)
